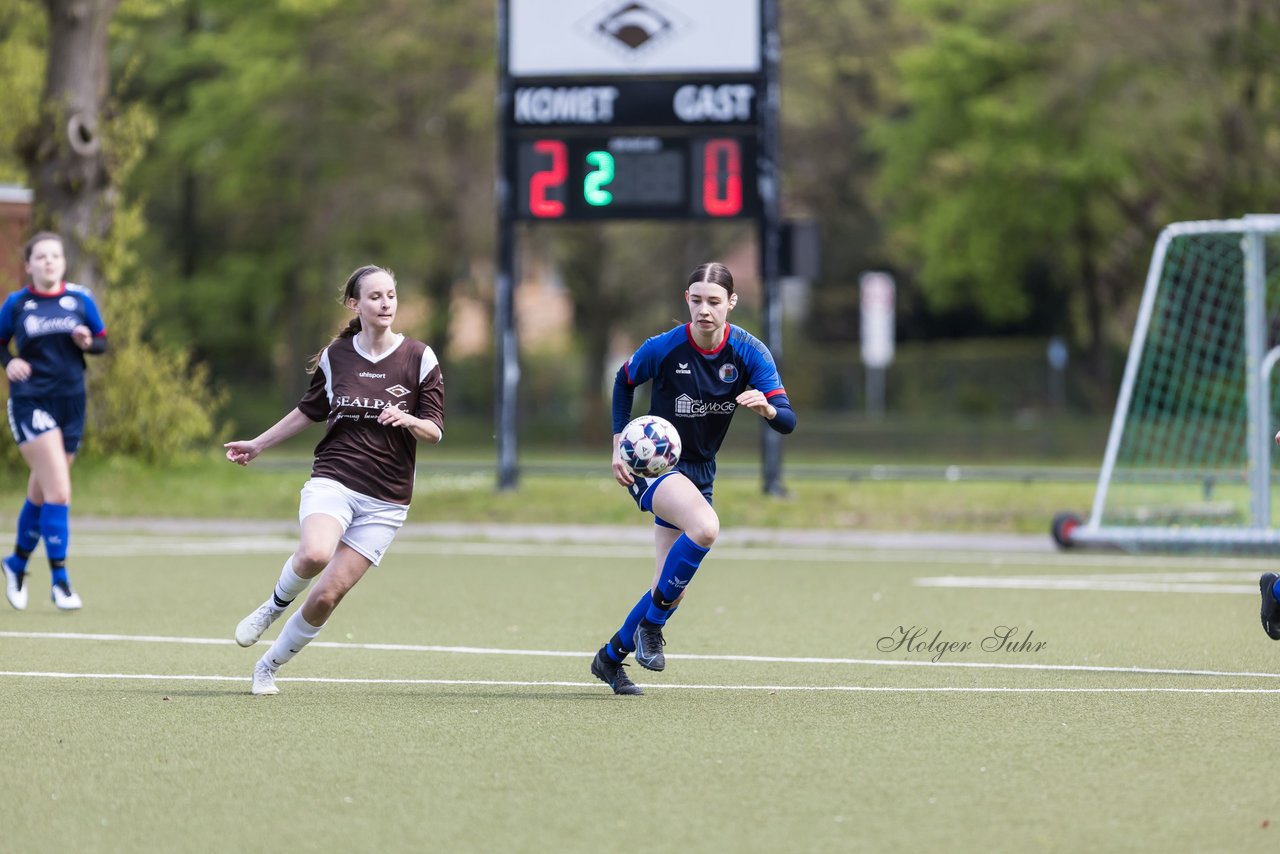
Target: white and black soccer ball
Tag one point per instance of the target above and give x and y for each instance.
(650, 446)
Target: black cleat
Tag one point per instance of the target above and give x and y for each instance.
(649, 644)
(1270, 607)
(611, 673)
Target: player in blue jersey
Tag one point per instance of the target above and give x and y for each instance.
(702, 372)
(52, 324)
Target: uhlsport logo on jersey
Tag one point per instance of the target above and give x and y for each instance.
(690, 408)
(729, 372)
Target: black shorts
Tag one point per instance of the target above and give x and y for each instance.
(30, 417)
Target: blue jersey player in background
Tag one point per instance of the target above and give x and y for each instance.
(702, 372)
(52, 324)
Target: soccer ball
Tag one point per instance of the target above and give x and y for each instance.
(650, 446)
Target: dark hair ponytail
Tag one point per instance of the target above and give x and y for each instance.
(716, 274)
(351, 290)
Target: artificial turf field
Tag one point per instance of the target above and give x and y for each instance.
(448, 706)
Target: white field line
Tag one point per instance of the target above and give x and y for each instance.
(1093, 583)
(758, 659)
(146, 546)
(772, 689)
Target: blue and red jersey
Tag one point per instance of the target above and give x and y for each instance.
(40, 327)
(697, 389)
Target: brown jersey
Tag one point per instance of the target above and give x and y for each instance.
(348, 390)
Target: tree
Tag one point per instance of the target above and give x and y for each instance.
(1039, 146)
(66, 153)
(311, 138)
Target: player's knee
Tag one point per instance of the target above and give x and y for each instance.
(310, 559)
(57, 495)
(705, 530)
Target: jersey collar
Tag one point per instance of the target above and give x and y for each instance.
(62, 289)
(688, 330)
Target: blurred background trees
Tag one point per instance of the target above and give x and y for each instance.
(1010, 161)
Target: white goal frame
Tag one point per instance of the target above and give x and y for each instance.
(1257, 534)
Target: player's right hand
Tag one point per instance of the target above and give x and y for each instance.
(241, 453)
(621, 473)
(18, 370)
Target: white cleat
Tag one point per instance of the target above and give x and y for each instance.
(264, 680)
(252, 626)
(15, 586)
(65, 598)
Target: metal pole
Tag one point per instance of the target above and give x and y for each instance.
(1255, 333)
(770, 229)
(504, 326)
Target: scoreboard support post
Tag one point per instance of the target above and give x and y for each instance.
(507, 362)
(770, 235)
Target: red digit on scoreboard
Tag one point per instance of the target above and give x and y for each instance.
(547, 179)
(722, 177)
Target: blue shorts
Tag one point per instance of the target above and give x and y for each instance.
(29, 417)
(701, 474)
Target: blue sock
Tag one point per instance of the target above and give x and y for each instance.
(657, 616)
(56, 530)
(28, 536)
(1275, 590)
(682, 562)
(624, 642)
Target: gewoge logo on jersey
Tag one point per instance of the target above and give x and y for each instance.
(37, 326)
(690, 408)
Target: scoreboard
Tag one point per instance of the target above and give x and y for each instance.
(618, 148)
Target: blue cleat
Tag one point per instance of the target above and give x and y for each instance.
(1270, 607)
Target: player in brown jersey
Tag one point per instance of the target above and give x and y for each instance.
(379, 394)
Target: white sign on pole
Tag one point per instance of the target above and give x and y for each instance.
(553, 38)
(876, 291)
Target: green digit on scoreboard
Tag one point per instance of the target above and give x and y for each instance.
(595, 182)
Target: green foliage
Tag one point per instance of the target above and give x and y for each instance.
(1039, 147)
(148, 401)
(22, 28)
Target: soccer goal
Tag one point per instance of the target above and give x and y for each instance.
(1188, 458)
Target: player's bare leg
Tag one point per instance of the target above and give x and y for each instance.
(316, 547)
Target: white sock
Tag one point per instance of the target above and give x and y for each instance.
(290, 584)
(296, 634)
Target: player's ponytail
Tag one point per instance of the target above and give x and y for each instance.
(351, 290)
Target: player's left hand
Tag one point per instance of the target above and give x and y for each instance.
(82, 337)
(396, 417)
(755, 400)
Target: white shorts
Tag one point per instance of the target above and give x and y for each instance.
(368, 525)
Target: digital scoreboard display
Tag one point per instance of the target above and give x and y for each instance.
(635, 177)
(618, 148)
